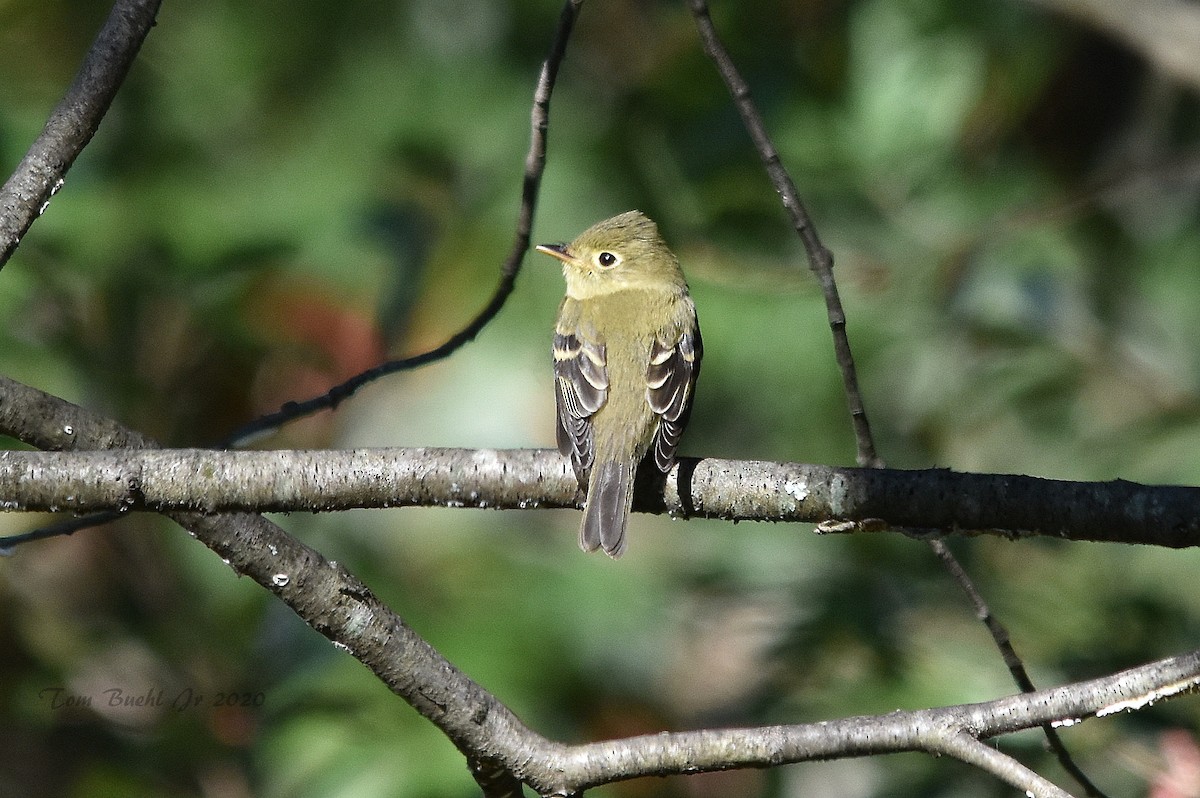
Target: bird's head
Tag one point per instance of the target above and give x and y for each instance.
(621, 253)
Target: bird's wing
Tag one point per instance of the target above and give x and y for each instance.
(580, 389)
(670, 382)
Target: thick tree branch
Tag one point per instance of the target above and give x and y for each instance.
(939, 731)
(74, 120)
(339, 606)
(841, 499)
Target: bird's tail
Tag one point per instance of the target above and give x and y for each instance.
(609, 499)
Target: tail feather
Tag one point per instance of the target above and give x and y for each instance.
(609, 499)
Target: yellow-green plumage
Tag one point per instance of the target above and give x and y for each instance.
(627, 353)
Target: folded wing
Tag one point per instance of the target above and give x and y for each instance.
(580, 389)
(670, 384)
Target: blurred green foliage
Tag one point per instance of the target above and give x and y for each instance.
(285, 193)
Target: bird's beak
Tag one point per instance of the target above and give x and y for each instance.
(558, 251)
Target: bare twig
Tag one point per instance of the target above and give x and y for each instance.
(821, 262)
(61, 528)
(1013, 662)
(74, 120)
(535, 162)
(820, 259)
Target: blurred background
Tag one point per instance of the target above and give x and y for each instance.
(286, 193)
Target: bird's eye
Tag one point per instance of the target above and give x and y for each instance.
(606, 259)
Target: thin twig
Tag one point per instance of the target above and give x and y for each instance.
(61, 528)
(820, 259)
(535, 162)
(821, 263)
(74, 120)
(1015, 666)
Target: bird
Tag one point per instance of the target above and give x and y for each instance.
(627, 351)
